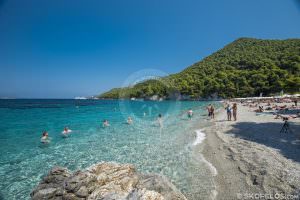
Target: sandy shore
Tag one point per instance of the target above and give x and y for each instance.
(252, 156)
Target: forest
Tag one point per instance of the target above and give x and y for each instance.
(243, 68)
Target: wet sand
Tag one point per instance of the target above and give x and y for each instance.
(252, 156)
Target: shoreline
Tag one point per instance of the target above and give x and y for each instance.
(244, 165)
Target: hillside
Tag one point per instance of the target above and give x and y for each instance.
(245, 67)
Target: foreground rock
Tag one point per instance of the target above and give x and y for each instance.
(107, 181)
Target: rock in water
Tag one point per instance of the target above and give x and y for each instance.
(106, 181)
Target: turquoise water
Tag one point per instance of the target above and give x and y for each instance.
(168, 150)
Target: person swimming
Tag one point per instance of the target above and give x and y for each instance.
(129, 120)
(105, 123)
(45, 138)
(66, 132)
(190, 113)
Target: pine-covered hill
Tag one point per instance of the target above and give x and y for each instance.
(245, 67)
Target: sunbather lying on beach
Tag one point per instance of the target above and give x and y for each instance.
(269, 108)
(278, 116)
(294, 116)
(281, 107)
(260, 109)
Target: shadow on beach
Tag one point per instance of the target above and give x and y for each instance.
(269, 134)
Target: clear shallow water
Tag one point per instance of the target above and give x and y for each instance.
(168, 151)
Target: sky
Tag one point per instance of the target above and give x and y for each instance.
(68, 48)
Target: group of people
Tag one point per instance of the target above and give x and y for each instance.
(65, 133)
(107, 124)
(286, 108)
(45, 139)
(210, 109)
(130, 121)
(231, 111)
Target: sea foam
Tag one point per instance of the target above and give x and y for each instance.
(200, 136)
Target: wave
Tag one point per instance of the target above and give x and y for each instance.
(200, 137)
(211, 167)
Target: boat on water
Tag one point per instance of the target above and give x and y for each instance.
(81, 98)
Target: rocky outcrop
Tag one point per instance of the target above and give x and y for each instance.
(105, 181)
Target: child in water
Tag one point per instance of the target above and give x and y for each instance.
(190, 114)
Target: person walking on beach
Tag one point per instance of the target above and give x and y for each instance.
(228, 110)
(234, 111)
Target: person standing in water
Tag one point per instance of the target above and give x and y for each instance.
(190, 113)
(212, 112)
(45, 138)
(66, 130)
(209, 110)
(160, 120)
(228, 110)
(234, 111)
(129, 121)
(105, 123)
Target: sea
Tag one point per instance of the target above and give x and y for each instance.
(172, 150)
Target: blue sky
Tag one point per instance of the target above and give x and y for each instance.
(67, 48)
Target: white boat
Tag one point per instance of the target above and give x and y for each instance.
(80, 98)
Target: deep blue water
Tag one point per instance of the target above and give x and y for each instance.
(168, 150)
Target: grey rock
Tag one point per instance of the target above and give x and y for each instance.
(82, 192)
(51, 186)
(106, 181)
